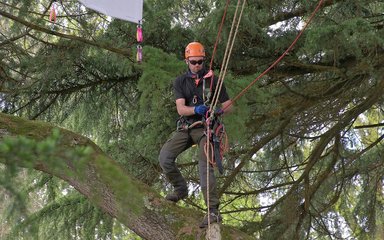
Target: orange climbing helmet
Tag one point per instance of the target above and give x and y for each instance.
(194, 49)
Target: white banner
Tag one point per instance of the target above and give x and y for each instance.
(130, 10)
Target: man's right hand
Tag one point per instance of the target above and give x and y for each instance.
(201, 109)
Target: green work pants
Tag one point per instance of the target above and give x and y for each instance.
(179, 142)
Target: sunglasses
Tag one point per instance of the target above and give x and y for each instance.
(193, 62)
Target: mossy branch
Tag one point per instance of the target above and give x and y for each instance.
(82, 164)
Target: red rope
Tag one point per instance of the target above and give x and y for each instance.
(280, 58)
(217, 42)
(218, 35)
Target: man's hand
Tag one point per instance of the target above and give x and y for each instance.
(201, 109)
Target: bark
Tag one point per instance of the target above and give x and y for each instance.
(103, 182)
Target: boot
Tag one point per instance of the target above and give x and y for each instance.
(176, 196)
(214, 217)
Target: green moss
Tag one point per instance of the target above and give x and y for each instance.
(19, 126)
(128, 194)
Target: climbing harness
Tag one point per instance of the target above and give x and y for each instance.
(185, 124)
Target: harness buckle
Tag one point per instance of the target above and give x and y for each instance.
(181, 124)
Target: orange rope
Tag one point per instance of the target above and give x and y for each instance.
(280, 58)
(208, 147)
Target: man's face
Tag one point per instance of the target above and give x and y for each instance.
(195, 64)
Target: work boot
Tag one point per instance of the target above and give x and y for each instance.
(176, 196)
(214, 217)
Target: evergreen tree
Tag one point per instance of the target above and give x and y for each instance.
(306, 150)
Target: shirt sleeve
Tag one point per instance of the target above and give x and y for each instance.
(178, 89)
(223, 92)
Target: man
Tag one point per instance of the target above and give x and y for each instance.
(192, 94)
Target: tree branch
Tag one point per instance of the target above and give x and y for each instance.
(105, 183)
(123, 52)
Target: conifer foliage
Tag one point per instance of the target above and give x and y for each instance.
(82, 123)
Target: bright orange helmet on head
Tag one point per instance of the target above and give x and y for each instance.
(194, 49)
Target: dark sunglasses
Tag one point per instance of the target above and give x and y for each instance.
(193, 62)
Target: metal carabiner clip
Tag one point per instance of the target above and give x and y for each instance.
(194, 100)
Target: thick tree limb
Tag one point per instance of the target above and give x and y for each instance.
(102, 181)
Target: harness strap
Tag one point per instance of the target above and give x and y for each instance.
(184, 124)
